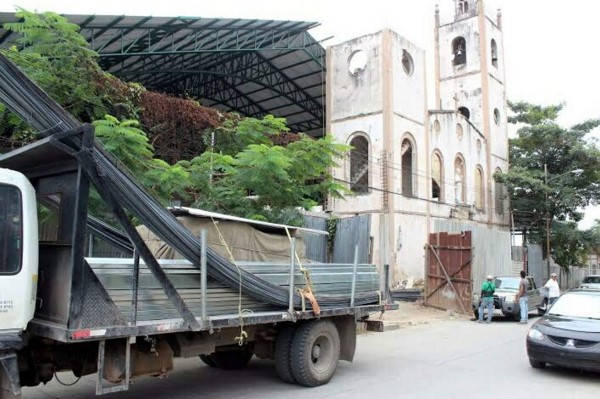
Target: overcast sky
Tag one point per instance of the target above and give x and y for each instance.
(550, 46)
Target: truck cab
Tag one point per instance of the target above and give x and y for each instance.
(18, 251)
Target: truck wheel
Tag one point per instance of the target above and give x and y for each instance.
(207, 360)
(315, 353)
(231, 360)
(283, 353)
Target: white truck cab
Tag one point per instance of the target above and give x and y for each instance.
(18, 251)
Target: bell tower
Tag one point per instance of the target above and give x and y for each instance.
(470, 81)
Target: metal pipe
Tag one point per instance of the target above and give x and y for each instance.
(135, 287)
(354, 276)
(292, 271)
(386, 276)
(203, 234)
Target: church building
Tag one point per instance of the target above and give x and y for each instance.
(418, 170)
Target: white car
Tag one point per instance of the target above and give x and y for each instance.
(592, 281)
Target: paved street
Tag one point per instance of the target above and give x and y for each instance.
(443, 359)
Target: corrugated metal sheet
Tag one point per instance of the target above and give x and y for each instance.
(536, 265)
(349, 233)
(571, 278)
(491, 248)
(316, 245)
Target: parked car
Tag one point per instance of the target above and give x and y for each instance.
(592, 281)
(569, 334)
(505, 302)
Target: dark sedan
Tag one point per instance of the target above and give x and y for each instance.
(569, 334)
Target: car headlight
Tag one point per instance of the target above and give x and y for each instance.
(510, 298)
(535, 334)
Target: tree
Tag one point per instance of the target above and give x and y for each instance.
(252, 177)
(558, 195)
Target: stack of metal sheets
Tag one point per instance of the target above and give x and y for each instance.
(116, 276)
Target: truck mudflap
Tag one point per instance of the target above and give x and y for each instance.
(10, 385)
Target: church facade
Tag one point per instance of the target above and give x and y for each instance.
(413, 168)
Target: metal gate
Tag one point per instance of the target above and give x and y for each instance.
(448, 261)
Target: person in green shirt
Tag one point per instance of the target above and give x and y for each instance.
(487, 299)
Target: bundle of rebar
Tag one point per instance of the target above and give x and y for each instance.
(24, 98)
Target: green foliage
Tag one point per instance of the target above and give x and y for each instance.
(53, 53)
(569, 243)
(130, 146)
(278, 178)
(236, 133)
(541, 142)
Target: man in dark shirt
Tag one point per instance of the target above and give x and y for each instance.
(522, 296)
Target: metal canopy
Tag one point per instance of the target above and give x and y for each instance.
(254, 67)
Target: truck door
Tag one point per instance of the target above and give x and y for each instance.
(18, 251)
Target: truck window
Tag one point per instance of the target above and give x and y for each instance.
(48, 208)
(11, 233)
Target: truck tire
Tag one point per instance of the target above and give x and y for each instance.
(315, 352)
(231, 360)
(207, 360)
(283, 353)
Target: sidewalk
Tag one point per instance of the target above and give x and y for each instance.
(414, 314)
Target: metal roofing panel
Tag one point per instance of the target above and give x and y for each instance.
(258, 66)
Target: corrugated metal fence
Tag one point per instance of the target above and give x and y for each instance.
(491, 248)
(570, 278)
(349, 233)
(316, 245)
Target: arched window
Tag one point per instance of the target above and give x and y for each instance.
(359, 165)
(460, 187)
(499, 195)
(494, 53)
(437, 177)
(459, 51)
(408, 167)
(464, 111)
(479, 188)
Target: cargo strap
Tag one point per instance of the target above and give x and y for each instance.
(306, 292)
(241, 339)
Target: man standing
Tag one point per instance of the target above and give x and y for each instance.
(553, 289)
(522, 296)
(487, 299)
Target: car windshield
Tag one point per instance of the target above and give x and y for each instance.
(507, 283)
(592, 280)
(586, 305)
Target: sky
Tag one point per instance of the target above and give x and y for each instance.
(550, 49)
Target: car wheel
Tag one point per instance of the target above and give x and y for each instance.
(542, 309)
(536, 364)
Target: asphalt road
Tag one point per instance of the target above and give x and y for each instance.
(446, 359)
